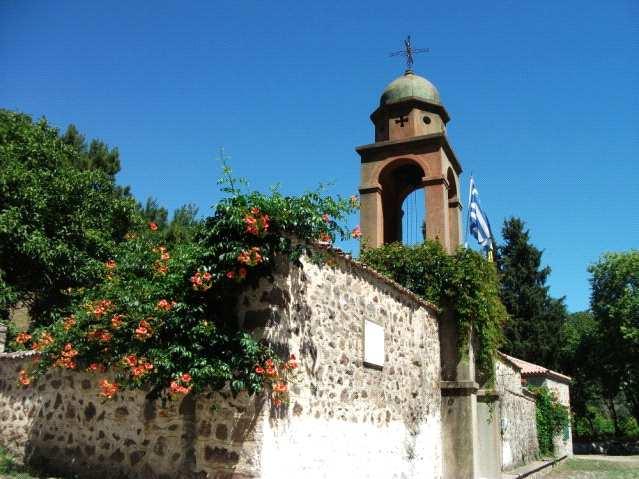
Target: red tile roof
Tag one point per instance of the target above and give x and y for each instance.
(530, 369)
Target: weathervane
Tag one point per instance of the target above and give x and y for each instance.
(408, 52)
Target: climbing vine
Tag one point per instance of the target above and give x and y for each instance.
(552, 418)
(164, 319)
(464, 283)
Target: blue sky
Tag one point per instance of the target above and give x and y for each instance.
(543, 98)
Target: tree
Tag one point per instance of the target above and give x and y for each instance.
(578, 360)
(534, 330)
(154, 213)
(184, 225)
(615, 306)
(94, 156)
(59, 218)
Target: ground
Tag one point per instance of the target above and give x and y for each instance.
(578, 467)
(597, 467)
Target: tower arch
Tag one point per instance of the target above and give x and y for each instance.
(397, 181)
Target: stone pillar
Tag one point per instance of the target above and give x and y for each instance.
(437, 211)
(371, 216)
(3, 337)
(454, 223)
(489, 428)
(459, 404)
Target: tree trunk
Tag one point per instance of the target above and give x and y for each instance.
(591, 424)
(613, 411)
(633, 399)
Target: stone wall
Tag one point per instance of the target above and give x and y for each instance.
(562, 442)
(61, 424)
(518, 417)
(342, 414)
(344, 411)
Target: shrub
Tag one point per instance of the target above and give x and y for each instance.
(552, 418)
(164, 319)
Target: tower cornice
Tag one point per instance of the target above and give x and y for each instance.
(409, 102)
(368, 152)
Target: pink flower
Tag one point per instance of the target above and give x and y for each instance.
(24, 379)
(143, 331)
(131, 360)
(176, 388)
(165, 305)
(108, 389)
(116, 320)
(357, 232)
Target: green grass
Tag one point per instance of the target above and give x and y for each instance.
(7, 464)
(580, 468)
(10, 469)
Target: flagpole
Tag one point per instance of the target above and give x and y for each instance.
(466, 230)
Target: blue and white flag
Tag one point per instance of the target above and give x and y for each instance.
(478, 221)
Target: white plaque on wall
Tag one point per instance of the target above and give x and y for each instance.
(373, 343)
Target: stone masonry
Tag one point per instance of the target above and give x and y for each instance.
(342, 413)
(518, 416)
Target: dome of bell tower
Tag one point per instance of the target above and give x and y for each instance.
(408, 86)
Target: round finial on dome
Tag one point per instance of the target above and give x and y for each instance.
(409, 85)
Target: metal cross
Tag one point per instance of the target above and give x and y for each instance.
(408, 52)
(401, 121)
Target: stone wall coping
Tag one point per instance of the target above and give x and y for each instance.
(18, 355)
(488, 395)
(469, 385)
(524, 393)
(368, 271)
(509, 360)
(529, 369)
(489, 392)
(3, 337)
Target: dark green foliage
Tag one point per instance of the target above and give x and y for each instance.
(552, 418)
(600, 351)
(578, 360)
(184, 225)
(58, 223)
(153, 212)
(94, 156)
(534, 330)
(465, 283)
(615, 306)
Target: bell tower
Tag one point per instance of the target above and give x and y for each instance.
(410, 151)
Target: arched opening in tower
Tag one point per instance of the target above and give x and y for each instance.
(403, 202)
(413, 218)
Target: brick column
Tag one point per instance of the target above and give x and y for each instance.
(454, 223)
(371, 216)
(437, 210)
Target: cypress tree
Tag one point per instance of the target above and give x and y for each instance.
(534, 330)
